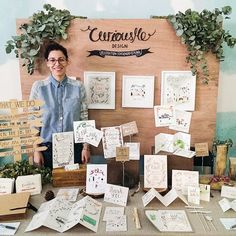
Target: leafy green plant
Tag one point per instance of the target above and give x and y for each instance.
(202, 33)
(13, 170)
(44, 26)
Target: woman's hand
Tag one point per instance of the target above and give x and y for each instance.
(38, 159)
(85, 155)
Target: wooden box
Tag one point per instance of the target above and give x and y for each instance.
(63, 178)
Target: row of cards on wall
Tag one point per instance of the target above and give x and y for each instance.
(177, 89)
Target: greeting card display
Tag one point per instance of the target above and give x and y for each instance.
(62, 149)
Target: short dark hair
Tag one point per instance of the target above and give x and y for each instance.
(55, 47)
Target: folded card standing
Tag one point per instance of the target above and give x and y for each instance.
(134, 150)
(6, 185)
(29, 183)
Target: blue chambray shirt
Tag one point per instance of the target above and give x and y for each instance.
(65, 102)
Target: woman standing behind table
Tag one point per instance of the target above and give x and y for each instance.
(64, 102)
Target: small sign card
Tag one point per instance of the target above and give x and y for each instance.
(201, 149)
(129, 128)
(205, 192)
(122, 153)
(29, 183)
(117, 223)
(96, 178)
(6, 185)
(62, 149)
(116, 194)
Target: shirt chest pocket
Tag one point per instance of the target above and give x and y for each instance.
(72, 105)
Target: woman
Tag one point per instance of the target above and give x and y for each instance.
(65, 102)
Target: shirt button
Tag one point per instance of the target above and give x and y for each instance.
(61, 118)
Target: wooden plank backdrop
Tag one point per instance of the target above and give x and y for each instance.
(167, 54)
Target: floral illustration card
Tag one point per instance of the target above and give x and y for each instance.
(96, 178)
(155, 171)
(163, 115)
(80, 129)
(129, 128)
(178, 89)
(112, 138)
(181, 121)
(116, 194)
(181, 141)
(100, 89)
(62, 149)
(164, 142)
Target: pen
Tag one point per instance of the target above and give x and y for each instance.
(8, 226)
(233, 226)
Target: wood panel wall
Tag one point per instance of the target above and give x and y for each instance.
(167, 54)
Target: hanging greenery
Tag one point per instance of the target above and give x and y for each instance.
(202, 33)
(44, 26)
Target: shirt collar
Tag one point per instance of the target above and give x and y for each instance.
(56, 83)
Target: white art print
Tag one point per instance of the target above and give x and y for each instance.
(100, 89)
(194, 195)
(112, 138)
(62, 149)
(129, 128)
(138, 91)
(163, 115)
(178, 89)
(169, 220)
(181, 121)
(181, 179)
(155, 171)
(134, 150)
(80, 129)
(96, 178)
(116, 194)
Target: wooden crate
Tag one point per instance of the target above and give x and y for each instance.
(63, 178)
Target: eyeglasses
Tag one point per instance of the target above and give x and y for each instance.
(60, 60)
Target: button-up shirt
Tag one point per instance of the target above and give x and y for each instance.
(64, 102)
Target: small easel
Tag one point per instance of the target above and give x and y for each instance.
(16, 128)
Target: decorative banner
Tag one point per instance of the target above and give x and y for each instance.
(21, 124)
(201, 149)
(20, 104)
(18, 133)
(25, 114)
(103, 53)
(23, 151)
(21, 142)
(122, 153)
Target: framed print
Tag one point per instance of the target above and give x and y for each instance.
(100, 89)
(138, 91)
(178, 89)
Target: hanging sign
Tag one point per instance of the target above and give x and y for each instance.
(18, 133)
(20, 104)
(20, 124)
(20, 115)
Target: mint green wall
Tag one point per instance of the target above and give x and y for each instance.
(12, 9)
